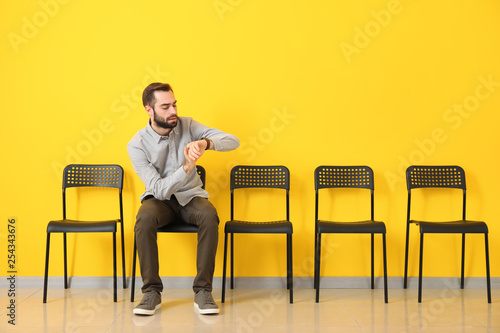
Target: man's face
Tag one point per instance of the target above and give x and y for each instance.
(164, 112)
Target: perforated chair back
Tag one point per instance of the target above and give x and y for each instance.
(77, 175)
(260, 176)
(450, 176)
(348, 176)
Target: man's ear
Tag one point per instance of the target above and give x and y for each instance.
(149, 110)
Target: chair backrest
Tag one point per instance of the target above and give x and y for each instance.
(246, 176)
(441, 176)
(93, 175)
(202, 173)
(449, 176)
(360, 176)
(343, 176)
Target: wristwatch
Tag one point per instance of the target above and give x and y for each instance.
(208, 143)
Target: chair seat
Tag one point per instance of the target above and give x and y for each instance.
(82, 226)
(271, 227)
(357, 227)
(179, 227)
(459, 227)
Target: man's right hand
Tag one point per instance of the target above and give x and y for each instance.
(189, 162)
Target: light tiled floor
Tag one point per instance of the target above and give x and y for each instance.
(257, 310)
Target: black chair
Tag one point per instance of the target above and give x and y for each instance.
(270, 177)
(451, 177)
(331, 177)
(86, 175)
(176, 227)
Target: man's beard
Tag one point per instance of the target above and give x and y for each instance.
(163, 123)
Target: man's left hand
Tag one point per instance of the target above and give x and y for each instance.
(196, 149)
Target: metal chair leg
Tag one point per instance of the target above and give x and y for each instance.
(386, 296)
(315, 263)
(318, 261)
(114, 268)
(373, 265)
(224, 269)
(123, 259)
(405, 279)
(65, 262)
(420, 267)
(290, 269)
(488, 283)
(46, 276)
(232, 261)
(288, 264)
(462, 280)
(134, 260)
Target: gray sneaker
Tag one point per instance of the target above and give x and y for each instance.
(149, 303)
(204, 302)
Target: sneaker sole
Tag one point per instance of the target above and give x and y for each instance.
(205, 311)
(147, 312)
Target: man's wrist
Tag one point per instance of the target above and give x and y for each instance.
(187, 168)
(207, 140)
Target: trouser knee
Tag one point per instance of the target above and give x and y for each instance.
(148, 216)
(202, 213)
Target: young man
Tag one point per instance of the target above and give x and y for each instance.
(163, 155)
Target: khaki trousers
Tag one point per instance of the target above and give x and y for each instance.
(154, 214)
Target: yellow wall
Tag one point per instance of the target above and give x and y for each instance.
(385, 83)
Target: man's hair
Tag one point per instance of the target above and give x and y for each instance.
(148, 95)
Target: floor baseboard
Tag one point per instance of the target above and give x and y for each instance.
(258, 282)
